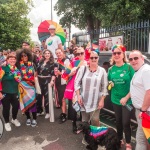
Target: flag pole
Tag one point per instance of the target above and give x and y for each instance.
(51, 11)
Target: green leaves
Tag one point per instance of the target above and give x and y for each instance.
(106, 12)
(14, 26)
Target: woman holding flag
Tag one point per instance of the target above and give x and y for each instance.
(27, 93)
(70, 75)
(10, 77)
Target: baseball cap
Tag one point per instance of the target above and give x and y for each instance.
(51, 27)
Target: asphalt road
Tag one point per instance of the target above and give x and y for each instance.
(46, 136)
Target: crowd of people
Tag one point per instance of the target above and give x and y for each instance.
(87, 81)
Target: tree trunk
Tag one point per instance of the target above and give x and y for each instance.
(97, 29)
(90, 26)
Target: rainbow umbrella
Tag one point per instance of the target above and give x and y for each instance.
(43, 32)
(146, 125)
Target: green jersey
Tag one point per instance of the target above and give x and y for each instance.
(121, 77)
(9, 84)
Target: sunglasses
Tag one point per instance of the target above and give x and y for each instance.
(134, 58)
(116, 53)
(23, 55)
(78, 54)
(93, 58)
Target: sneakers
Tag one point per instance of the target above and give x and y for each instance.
(62, 118)
(16, 122)
(33, 123)
(47, 116)
(28, 122)
(40, 114)
(7, 127)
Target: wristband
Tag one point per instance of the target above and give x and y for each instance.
(142, 110)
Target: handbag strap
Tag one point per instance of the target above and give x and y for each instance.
(83, 75)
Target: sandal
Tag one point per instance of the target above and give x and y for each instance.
(128, 147)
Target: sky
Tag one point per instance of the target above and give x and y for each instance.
(41, 12)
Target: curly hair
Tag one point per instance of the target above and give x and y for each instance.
(25, 51)
(51, 55)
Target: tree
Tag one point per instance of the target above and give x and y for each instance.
(81, 13)
(93, 14)
(119, 12)
(14, 25)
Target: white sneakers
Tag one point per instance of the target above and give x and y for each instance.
(40, 114)
(47, 116)
(28, 122)
(33, 123)
(7, 127)
(16, 122)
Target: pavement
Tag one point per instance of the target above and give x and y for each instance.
(45, 136)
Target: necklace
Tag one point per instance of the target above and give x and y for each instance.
(93, 70)
(27, 71)
(15, 71)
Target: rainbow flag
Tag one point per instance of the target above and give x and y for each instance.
(1, 73)
(146, 125)
(74, 63)
(61, 64)
(27, 95)
(97, 131)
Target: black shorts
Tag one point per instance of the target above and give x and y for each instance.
(61, 90)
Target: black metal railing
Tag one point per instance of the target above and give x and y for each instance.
(135, 35)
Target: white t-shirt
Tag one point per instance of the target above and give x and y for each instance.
(140, 83)
(52, 44)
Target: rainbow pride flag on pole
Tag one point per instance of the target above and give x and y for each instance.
(146, 125)
(61, 63)
(74, 63)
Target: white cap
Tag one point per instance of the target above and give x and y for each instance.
(51, 27)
